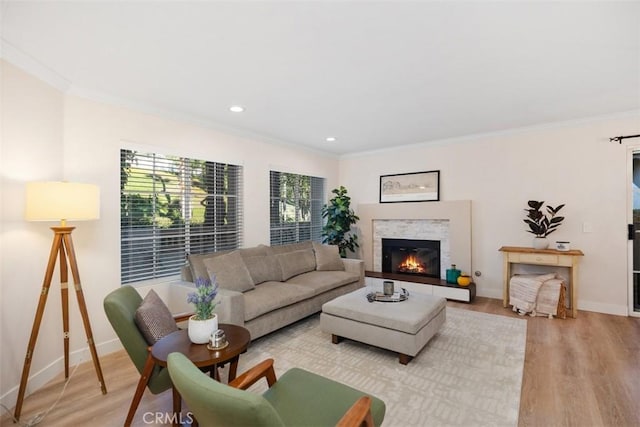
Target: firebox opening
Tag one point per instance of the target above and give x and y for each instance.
(407, 256)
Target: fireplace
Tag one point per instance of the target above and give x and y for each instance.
(414, 257)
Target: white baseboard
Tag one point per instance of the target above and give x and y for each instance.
(598, 307)
(49, 372)
(489, 293)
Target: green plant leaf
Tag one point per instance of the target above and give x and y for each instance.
(339, 218)
(533, 204)
(539, 223)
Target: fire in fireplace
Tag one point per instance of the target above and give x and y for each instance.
(407, 256)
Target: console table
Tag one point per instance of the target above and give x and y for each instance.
(428, 285)
(548, 257)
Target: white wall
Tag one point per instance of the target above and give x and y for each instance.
(51, 135)
(31, 149)
(573, 164)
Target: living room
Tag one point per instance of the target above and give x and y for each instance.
(53, 130)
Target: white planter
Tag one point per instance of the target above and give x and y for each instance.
(540, 243)
(200, 330)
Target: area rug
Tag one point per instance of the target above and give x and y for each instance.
(469, 374)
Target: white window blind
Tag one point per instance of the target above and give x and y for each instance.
(172, 206)
(296, 208)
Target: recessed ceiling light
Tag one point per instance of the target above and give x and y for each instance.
(331, 139)
(236, 108)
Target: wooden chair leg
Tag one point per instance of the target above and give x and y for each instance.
(233, 368)
(177, 406)
(142, 384)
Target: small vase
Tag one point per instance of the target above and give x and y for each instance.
(452, 274)
(540, 243)
(464, 280)
(200, 330)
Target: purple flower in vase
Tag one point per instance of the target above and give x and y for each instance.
(204, 297)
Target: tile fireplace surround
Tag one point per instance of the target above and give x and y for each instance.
(449, 222)
(414, 229)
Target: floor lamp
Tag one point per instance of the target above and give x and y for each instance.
(53, 201)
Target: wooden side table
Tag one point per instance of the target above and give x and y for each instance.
(237, 336)
(548, 257)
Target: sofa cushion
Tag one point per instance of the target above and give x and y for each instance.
(263, 268)
(270, 296)
(291, 247)
(323, 281)
(259, 250)
(230, 272)
(196, 263)
(297, 262)
(327, 257)
(154, 319)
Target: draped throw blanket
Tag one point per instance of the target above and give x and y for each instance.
(539, 295)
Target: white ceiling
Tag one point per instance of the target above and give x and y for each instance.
(372, 74)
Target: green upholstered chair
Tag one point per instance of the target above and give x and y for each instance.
(120, 307)
(298, 398)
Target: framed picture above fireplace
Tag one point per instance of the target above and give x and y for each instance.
(410, 187)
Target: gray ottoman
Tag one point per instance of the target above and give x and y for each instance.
(404, 327)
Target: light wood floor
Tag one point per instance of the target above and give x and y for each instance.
(578, 372)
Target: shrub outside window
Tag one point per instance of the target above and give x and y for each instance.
(296, 208)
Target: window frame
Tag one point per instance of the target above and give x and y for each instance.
(283, 230)
(201, 225)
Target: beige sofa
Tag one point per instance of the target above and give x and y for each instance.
(264, 288)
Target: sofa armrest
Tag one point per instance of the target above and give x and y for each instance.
(354, 266)
(230, 308)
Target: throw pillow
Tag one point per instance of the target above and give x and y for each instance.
(196, 263)
(255, 251)
(327, 257)
(298, 262)
(229, 271)
(291, 247)
(263, 269)
(154, 319)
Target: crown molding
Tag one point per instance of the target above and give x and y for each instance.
(29, 64)
(500, 133)
(34, 67)
(193, 119)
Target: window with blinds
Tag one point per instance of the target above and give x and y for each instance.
(172, 206)
(296, 208)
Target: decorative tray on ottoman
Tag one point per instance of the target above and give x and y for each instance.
(395, 297)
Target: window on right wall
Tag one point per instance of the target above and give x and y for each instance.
(296, 207)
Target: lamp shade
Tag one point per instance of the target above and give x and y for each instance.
(59, 201)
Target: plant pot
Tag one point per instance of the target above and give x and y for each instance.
(200, 330)
(540, 243)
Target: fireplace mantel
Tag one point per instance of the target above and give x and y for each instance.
(458, 213)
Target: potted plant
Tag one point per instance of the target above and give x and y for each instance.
(204, 322)
(339, 217)
(542, 224)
